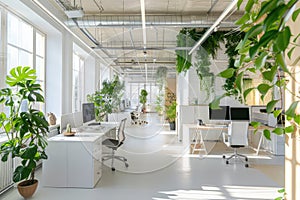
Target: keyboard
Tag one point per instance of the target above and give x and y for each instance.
(94, 124)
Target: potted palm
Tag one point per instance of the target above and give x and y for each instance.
(171, 114)
(25, 127)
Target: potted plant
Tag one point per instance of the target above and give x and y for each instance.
(26, 128)
(143, 99)
(171, 114)
(108, 99)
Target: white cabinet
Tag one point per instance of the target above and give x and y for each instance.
(73, 161)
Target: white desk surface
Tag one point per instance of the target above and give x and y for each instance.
(85, 133)
(207, 127)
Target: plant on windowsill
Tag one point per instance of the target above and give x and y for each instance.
(171, 114)
(26, 129)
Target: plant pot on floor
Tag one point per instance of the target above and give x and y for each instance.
(172, 126)
(27, 188)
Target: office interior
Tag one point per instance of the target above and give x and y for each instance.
(76, 45)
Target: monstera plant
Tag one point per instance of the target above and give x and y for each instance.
(26, 128)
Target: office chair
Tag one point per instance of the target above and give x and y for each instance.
(114, 144)
(236, 137)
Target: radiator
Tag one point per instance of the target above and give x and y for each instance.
(6, 175)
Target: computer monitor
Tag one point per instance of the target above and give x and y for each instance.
(219, 114)
(239, 113)
(88, 112)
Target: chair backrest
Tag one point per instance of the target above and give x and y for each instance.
(121, 133)
(238, 131)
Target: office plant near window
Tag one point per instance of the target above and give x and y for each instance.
(26, 130)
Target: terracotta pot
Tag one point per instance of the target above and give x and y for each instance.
(26, 190)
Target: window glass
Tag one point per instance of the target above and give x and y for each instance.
(20, 51)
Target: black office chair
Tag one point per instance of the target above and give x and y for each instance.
(114, 144)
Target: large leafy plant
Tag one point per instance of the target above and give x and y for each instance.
(108, 99)
(27, 129)
(262, 51)
(171, 111)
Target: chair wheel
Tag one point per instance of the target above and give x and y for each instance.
(246, 159)
(126, 165)
(224, 156)
(113, 169)
(227, 162)
(246, 165)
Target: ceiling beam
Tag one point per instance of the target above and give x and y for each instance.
(109, 21)
(142, 48)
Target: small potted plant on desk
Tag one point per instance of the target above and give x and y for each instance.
(171, 114)
(26, 128)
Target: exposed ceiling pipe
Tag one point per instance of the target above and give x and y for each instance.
(143, 48)
(110, 21)
(212, 28)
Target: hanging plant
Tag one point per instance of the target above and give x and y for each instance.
(231, 42)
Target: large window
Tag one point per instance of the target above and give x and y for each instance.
(78, 64)
(26, 47)
(133, 91)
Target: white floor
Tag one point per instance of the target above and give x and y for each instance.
(161, 169)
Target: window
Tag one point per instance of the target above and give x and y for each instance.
(78, 64)
(26, 47)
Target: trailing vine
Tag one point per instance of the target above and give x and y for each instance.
(188, 37)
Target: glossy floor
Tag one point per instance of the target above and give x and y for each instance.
(160, 171)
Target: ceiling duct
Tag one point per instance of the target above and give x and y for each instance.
(151, 20)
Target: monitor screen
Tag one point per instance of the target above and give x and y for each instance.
(219, 114)
(239, 113)
(88, 112)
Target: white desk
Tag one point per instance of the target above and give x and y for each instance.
(75, 161)
(188, 127)
(198, 136)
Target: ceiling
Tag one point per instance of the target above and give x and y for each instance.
(115, 28)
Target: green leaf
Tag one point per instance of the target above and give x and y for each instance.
(243, 19)
(263, 88)
(283, 39)
(291, 110)
(253, 32)
(289, 129)
(267, 7)
(278, 131)
(261, 60)
(239, 81)
(249, 5)
(216, 102)
(267, 134)
(20, 75)
(276, 113)
(239, 3)
(295, 14)
(228, 73)
(255, 124)
(21, 173)
(247, 92)
(281, 62)
(270, 74)
(290, 52)
(281, 190)
(29, 152)
(271, 105)
(297, 119)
